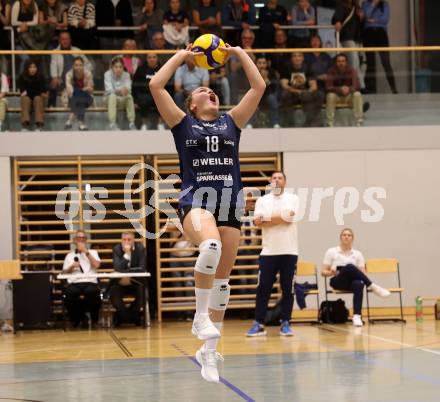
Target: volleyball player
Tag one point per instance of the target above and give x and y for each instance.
(211, 199)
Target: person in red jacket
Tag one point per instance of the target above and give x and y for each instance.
(342, 85)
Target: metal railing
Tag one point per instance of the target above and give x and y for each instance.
(192, 28)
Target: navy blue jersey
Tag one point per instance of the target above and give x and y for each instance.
(209, 162)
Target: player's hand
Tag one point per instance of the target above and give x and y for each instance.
(230, 50)
(189, 53)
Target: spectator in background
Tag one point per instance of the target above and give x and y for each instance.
(24, 16)
(319, 62)
(143, 100)
(126, 255)
(346, 20)
(131, 61)
(159, 43)
(113, 13)
(53, 17)
(240, 14)
(82, 261)
(237, 77)
(187, 78)
(218, 79)
(343, 85)
(82, 23)
(117, 84)
(279, 61)
(33, 91)
(207, 17)
(176, 25)
(376, 15)
(60, 64)
(5, 44)
(271, 94)
(302, 14)
(346, 268)
(271, 16)
(3, 102)
(149, 22)
(299, 87)
(79, 88)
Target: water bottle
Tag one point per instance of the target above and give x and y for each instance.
(419, 309)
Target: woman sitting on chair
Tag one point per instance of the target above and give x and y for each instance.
(346, 268)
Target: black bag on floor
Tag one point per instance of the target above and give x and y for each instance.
(333, 312)
(273, 316)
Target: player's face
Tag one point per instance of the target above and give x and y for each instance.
(204, 99)
(346, 238)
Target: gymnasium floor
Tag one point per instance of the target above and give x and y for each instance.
(381, 362)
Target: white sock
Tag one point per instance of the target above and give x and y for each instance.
(202, 300)
(212, 343)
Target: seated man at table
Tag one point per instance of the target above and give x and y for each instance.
(82, 261)
(126, 255)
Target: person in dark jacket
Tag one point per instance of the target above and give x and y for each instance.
(33, 93)
(376, 16)
(347, 21)
(113, 14)
(239, 14)
(271, 94)
(127, 254)
(271, 16)
(143, 100)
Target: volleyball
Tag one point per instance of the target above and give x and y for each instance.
(212, 56)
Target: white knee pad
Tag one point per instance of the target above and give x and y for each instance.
(219, 296)
(209, 255)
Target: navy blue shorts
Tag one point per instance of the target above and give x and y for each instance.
(229, 217)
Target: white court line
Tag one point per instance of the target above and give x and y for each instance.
(408, 345)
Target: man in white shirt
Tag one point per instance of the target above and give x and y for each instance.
(82, 261)
(274, 214)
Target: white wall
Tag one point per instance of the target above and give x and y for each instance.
(6, 222)
(410, 228)
(6, 231)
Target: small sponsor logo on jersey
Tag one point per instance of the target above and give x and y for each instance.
(215, 177)
(191, 143)
(197, 126)
(213, 162)
(229, 142)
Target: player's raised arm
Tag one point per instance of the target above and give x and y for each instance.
(168, 109)
(249, 103)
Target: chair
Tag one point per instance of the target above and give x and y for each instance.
(333, 291)
(308, 269)
(385, 266)
(10, 270)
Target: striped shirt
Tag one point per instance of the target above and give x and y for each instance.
(76, 13)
